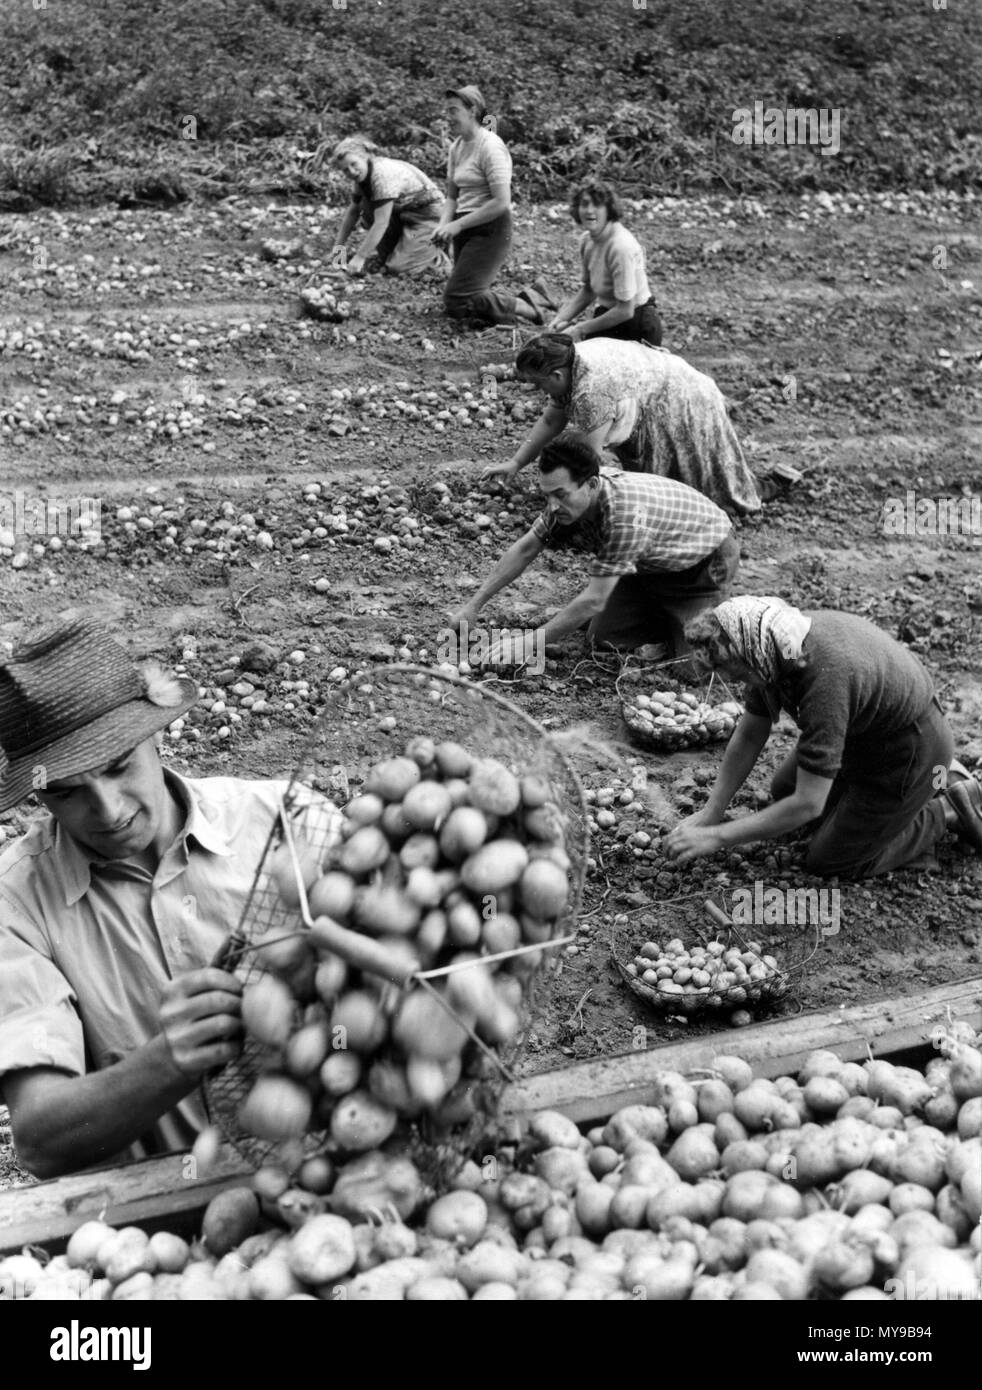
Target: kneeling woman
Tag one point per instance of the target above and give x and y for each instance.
(874, 744)
(397, 205)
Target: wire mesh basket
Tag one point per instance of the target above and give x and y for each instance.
(368, 718)
(666, 718)
(685, 967)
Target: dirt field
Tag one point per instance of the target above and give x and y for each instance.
(846, 333)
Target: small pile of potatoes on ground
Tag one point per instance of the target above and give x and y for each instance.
(444, 858)
(670, 719)
(713, 975)
(853, 1182)
(319, 302)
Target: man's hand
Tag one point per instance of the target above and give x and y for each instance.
(507, 472)
(463, 615)
(200, 1019)
(693, 839)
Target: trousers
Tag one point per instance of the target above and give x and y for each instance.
(478, 255)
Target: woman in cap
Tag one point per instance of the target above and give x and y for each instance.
(476, 217)
(614, 276)
(872, 769)
(397, 204)
(653, 410)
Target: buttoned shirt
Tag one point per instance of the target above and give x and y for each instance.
(642, 523)
(87, 945)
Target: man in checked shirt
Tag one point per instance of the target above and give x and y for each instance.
(662, 552)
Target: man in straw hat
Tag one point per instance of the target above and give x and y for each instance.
(112, 906)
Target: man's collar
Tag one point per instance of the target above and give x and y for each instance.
(77, 862)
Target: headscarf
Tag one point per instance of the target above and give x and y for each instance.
(763, 629)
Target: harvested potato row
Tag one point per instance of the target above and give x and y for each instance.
(848, 1182)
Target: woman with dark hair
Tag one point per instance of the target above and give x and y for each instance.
(614, 275)
(874, 751)
(654, 411)
(397, 204)
(476, 216)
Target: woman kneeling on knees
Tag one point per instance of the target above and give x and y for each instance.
(873, 765)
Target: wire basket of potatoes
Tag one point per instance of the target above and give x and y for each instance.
(667, 719)
(428, 858)
(692, 971)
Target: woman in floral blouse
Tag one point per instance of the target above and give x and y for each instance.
(397, 204)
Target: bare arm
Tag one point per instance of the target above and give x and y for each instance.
(581, 609)
(380, 220)
(551, 422)
(499, 202)
(805, 803)
(572, 308)
(62, 1123)
(742, 752)
(514, 562)
(610, 318)
(349, 221)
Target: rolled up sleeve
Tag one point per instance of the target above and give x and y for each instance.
(39, 1021)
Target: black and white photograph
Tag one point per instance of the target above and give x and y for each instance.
(491, 668)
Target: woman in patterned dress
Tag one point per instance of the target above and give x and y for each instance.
(650, 408)
(397, 204)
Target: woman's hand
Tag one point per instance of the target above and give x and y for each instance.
(445, 231)
(356, 265)
(693, 839)
(467, 615)
(574, 331)
(507, 472)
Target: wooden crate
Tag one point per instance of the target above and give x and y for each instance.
(159, 1192)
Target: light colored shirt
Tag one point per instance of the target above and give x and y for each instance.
(613, 268)
(398, 182)
(474, 167)
(87, 945)
(642, 524)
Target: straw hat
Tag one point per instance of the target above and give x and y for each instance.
(71, 700)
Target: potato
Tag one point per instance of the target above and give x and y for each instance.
(229, 1218)
(366, 850)
(495, 867)
(85, 1242)
(460, 1217)
(268, 1011)
(551, 1130)
(562, 1168)
(386, 910)
(392, 778)
(373, 1181)
(307, 1048)
(276, 1108)
(422, 1027)
(361, 1122)
(340, 1072)
(636, 1121)
(170, 1252)
(543, 889)
(493, 788)
(332, 895)
(272, 1280)
(463, 833)
(435, 1288)
(321, 1250)
(357, 1023)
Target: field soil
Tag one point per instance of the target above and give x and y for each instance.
(156, 362)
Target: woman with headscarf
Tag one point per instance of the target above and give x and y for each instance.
(396, 204)
(651, 409)
(873, 764)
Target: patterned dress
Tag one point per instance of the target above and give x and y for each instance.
(659, 415)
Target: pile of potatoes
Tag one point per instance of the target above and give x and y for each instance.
(444, 859)
(854, 1182)
(319, 302)
(713, 976)
(670, 719)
